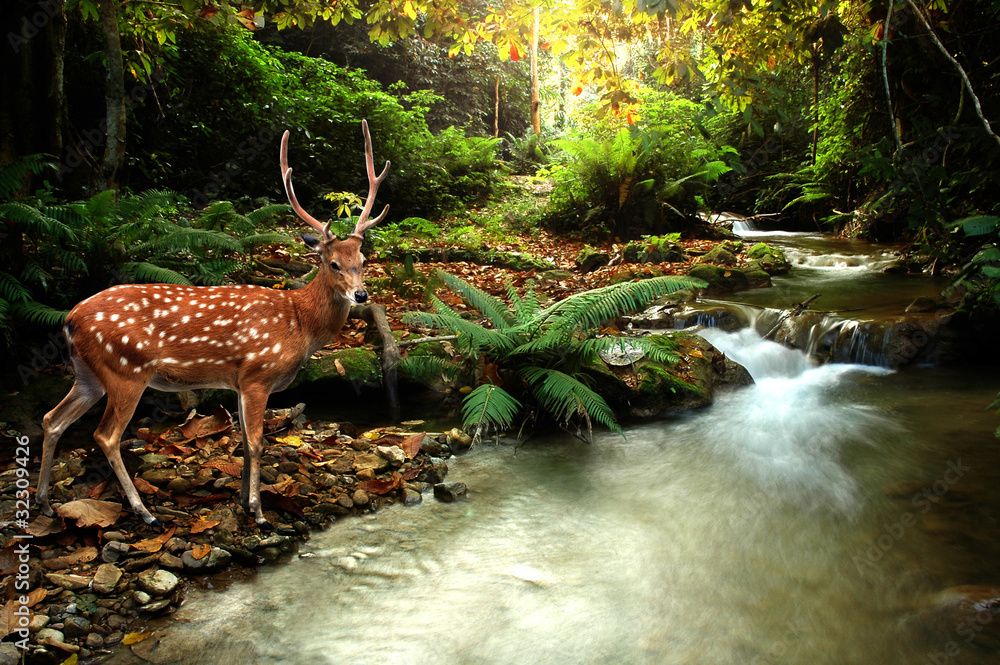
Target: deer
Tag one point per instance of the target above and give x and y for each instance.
(250, 339)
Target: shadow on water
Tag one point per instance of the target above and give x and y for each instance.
(767, 528)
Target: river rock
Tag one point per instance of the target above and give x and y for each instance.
(9, 654)
(37, 622)
(369, 461)
(436, 472)
(360, 498)
(158, 582)
(590, 259)
(106, 578)
(159, 477)
(411, 497)
(141, 598)
(71, 582)
(113, 551)
(963, 614)
(449, 492)
(216, 559)
(394, 455)
(74, 627)
(95, 641)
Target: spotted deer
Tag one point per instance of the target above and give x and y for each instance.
(249, 339)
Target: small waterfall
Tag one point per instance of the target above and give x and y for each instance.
(744, 226)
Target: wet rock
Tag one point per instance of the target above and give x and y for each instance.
(392, 454)
(116, 622)
(155, 606)
(216, 559)
(345, 501)
(283, 543)
(71, 582)
(54, 638)
(141, 598)
(268, 475)
(113, 638)
(159, 477)
(37, 622)
(369, 461)
(769, 259)
(329, 508)
(95, 641)
(436, 472)
(168, 560)
(431, 446)
(106, 578)
(459, 439)
(115, 537)
(719, 255)
(590, 259)
(360, 498)
(269, 554)
(142, 563)
(411, 497)
(158, 582)
(966, 613)
(179, 485)
(176, 545)
(290, 468)
(114, 551)
(9, 654)
(74, 627)
(449, 492)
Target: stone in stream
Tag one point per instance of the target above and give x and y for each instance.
(74, 627)
(158, 582)
(449, 492)
(216, 559)
(71, 582)
(106, 578)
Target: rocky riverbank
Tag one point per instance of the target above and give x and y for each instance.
(97, 574)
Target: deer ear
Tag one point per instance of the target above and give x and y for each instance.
(313, 243)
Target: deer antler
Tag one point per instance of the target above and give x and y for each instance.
(286, 178)
(373, 182)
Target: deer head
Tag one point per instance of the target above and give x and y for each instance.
(341, 260)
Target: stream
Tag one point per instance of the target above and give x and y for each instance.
(816, 516)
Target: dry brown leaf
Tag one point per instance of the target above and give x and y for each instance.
(376, 486)
(340, 368)
(411, 445)
(696, 353)
(228, 468)
(90, 512)
(98, 489)
(203, 525)
(201, 551)
(135, 638)
(153, 545)
(81, 555)
(147, 487)
(36, 596)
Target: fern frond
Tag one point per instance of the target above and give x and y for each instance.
(587, 310)
(425, 369)
(35, 222)
(265, 213)
(40, 314)
(591, 349)
(525, 307)
(566, 397)
(264, 239)
(12, 175)
(489, 405)
(187, 239)
(153, 274)
(488, 305)
(12, 290)
(470, 335)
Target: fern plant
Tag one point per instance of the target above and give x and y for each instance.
(540, 353)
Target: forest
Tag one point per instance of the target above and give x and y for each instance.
(718, 279)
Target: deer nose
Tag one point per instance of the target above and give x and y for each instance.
(360, 296)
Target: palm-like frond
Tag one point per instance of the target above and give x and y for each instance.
(265, 213)
(150, 273)
(525, 307)
(471, 336)
(588, 309)
(590, 349)
(12, 175)
(38, 313)
(489, 405)
(12, 290)
(428, 368)
(264, 239)
(188, 239)
(35, 222)
(566, 397)
(488, 305)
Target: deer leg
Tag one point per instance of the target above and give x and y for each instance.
(252, 406)
(121, 405)
(86, 391)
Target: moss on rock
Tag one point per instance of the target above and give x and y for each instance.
(362, 368)
(769, 259)
(722, 279)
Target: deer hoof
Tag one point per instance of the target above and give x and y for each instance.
(47, 510)
(264, 525)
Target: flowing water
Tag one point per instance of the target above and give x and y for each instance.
(815, 516)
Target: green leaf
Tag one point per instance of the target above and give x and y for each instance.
(978, 225)
(489, 405)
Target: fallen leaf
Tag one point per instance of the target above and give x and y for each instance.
(71, 660)
(281, 502)
(174, 450)
(153, 545)
(411, 445)
(98, 489)
(82, 555)
(197, 426)
(229, 468)
(290, 440)
(203, 525)
(696, 353)
(147, 487)
(340, 368)
(90, 512)
(201, 551)
(135, 638)
(376, 486)
(36, 596)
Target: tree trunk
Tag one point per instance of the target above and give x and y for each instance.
(536, 116)
(816, 65)
(496, 109)
(114, 97)
(59, 113)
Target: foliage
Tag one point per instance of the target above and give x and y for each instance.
(525, 356)
(56, 254)
(643, 179)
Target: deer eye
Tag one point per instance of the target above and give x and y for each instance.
(334, 266)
